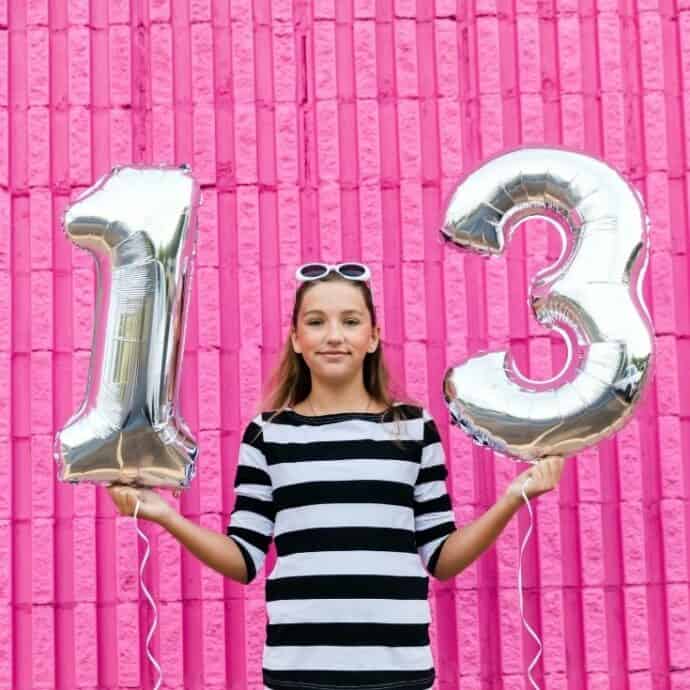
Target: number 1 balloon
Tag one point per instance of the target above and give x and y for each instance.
(140, 224)
(592, 295)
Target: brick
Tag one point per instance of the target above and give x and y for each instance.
(633, 530)
(4, 69)
(589, 475)
(406, 60)
(170, 634)
(211, 495)
(327, 141)
(86, 645)
(569, 56)
(628, 446)
(678, 623)
(42, 646)
(655, 134)
(85, 568)
(491, 124)
(243, 67)
(209, 391)
(42, 575)
(127, 559)
(497, 304)
(245, 143)
(169, 566)
(610, 59)
(540, 366)
(657, 206)
(592, 543)
(532, 107)
(410, 144)
(594, 628)
(287, 164)
(129, 672)
(637, 627)
(573, 121)
(670, 441)
(364, 34)
(467, 616)
(5, 311)
(41, 392)
(666, 375)
(37, 12)
(284, 63)
(414, 311)
(120, 63)
(43, 466)
(554, 637)
(207, 232)
(368, 141)
(39, 146)
(82, 308)
(6, 644)
(79, 146)
(325, 74)
(163, 134)
(120, 137)
(613, 115)
(201, 38)
(330, 227)
(204, 166)
(161, 57)
(370, 227)
(78, 11)
(450, 138)
(6, 561)
(412, 219)
(200, 10)
(651, 47)
(79, 66)
(38, 77)
(119, 12)
(488, 59)
(510, 636)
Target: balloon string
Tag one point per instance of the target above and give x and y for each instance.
(150, 599)
(522, 549)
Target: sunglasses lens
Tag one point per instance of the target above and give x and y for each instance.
(313, 270)
(352, 270)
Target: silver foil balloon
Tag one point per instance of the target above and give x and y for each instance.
(140, 224)
(592, 295)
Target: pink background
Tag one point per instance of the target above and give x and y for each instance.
(330, 130)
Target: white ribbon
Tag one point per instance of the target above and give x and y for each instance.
(526, 624)
(148, 596)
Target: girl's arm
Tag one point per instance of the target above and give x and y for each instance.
(216, 550)
(467, 543)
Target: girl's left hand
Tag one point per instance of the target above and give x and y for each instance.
(545, 476)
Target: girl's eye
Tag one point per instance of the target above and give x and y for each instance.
(317, 321)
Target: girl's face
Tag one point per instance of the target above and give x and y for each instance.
(334, 317)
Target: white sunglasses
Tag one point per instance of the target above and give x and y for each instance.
(350, 270)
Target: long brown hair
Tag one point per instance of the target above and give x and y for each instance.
(290, 381)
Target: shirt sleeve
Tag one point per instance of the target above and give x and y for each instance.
(433, 512)
(253, 515)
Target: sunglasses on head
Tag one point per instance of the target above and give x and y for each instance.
(316, 270)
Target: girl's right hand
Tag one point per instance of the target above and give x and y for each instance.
(152, 506)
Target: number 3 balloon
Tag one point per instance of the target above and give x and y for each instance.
(592, 295)
(140, 224)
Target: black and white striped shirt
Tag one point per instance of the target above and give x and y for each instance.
(358, 524)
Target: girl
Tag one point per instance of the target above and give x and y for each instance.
(350, 481)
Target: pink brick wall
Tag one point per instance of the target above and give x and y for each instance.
(335, 129)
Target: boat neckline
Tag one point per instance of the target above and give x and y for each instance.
(340, 414)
